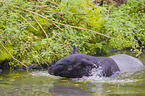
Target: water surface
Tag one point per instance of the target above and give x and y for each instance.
(40, 83)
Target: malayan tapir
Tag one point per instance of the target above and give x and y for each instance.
(78, 65)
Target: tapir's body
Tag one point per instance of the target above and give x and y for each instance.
(127, 63)
(78, 65)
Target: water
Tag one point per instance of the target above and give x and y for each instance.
(40, 83)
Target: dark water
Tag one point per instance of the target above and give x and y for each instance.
(40, 83)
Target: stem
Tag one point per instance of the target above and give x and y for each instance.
(40, 16)
(96, 2)
(40, 26)
(66, 45)
(44, 18)
(66, 24)
(37, 53)
(53, 3)
(64, 13)
(38, 6)
(36, 60)
(86, 30)
(40, 64)
(24, 19)
(40, 56)
(14, 57)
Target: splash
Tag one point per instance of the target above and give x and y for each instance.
(96, 77)
(117, 77)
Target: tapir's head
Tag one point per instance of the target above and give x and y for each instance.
(72, 66)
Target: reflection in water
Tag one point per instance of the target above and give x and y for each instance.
(124, 82)
(40, 83)
(64, 90)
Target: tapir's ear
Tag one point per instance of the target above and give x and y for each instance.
(74, 50)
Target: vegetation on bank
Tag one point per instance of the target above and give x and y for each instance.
(42, 31)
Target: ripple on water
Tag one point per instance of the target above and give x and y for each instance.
(42, 73)
(96, 77)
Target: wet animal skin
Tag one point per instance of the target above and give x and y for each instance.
(78, 65)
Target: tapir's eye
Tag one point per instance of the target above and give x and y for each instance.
(58, 68)
(60, 65)
(70, 68)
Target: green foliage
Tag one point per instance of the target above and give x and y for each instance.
(4, 55)
(126, 23)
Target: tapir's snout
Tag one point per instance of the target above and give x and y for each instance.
(55, 70)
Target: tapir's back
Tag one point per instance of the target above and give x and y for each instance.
(127, 63)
